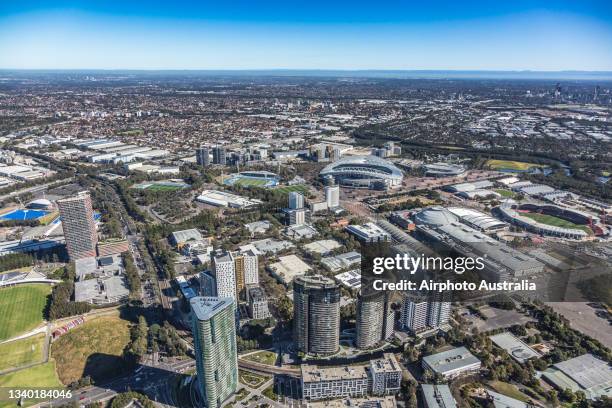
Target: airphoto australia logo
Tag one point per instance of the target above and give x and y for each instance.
(404, 272)
(385, 268)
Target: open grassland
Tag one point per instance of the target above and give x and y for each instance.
(300, 188)
(262, 357)
(22, 308)
(555, 221)
(22, 352)
(511, 165)
(93, 349)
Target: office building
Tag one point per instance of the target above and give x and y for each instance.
(258, 304)
(214, 339)
(332, 196)
(78, 225)
(219, 155)
(203, 156)
(296, 200)
(375, 319)
(385, 375)
(368, 232)
(296, 217)
(316, 315)
(224, 272)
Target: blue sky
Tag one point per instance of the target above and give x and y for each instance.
(257, 34)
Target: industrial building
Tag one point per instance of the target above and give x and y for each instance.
(438, 396)
(584, 373)
(224, 199)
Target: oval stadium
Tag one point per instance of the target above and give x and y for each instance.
(364, 172)
(548, 219)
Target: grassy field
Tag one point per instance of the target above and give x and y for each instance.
(22, 352)
(21, 308)
(300, 188)
(508, 390)
(262, 357)
(94, 349)
(511, 165)
(251, 379)
(555, 222)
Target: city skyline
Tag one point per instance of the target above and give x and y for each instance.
(537, 36)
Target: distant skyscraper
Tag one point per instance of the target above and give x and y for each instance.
(375, 319)
(332, 196)
(203, 156)
(214, 335)
(78, 225)
(316, 315)
(296, 200)
(224, 269)
(219, 155)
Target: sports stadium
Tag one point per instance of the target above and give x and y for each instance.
(364, 172)
(252, 178)
(550, 220)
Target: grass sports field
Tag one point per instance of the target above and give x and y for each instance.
(19, 353)
(300, 188)
(94, 349)
(40, 376)
(504, 193)
(250, 182)
(511, 165)
(163, 187)
(555, 222)
(22, 308)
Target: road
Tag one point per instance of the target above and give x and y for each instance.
(154, 381)
(35, 189)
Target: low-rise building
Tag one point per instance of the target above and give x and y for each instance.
(452, 363)
(333, 382)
